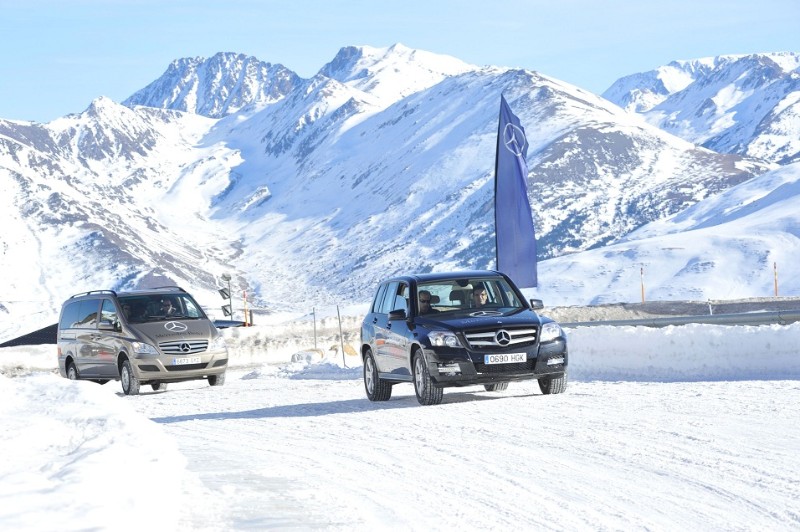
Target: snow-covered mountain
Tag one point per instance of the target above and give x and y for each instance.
(740, 243)
(310, 190)
(218, 86)
(743, 104)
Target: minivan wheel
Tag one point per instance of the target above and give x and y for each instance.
(216, 380)
(377, 388)
(427, 393)
(550, 385)
(72, 372)
(498, 387)
(130, 384)
(159, 386)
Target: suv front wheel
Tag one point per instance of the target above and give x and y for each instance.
(550, 385)
(427, 393)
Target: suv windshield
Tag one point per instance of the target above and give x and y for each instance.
(155, 307)
(450, 295)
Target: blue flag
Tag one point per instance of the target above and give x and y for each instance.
(515, 238)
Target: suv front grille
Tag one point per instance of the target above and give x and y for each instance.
(487, 338)
(184, 347)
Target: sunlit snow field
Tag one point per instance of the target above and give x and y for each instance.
(674, 428)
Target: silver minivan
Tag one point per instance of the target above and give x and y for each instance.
(152, 336)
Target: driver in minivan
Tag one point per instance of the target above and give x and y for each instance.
(167, 308)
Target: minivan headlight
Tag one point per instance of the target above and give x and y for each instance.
(444, 339)
(141, 348)
(218, 343)
(550, 331)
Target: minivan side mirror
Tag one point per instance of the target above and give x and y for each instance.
(537, 304)
(399, 314)
(106, 325)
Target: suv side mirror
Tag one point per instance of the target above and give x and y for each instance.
(399, 314)
(537, 304)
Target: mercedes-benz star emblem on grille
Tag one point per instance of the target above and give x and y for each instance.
(502, 337)
(175, 326)
(186, 347)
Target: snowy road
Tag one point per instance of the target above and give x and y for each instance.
(283, 450)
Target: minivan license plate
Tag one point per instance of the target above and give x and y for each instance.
(185, 360)
(508, 358)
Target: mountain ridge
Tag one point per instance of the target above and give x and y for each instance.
(331, 185)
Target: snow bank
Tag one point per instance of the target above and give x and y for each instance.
(110, 467)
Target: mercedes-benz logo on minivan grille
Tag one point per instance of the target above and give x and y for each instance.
(502, 337)
(185, 347)
(174, 326)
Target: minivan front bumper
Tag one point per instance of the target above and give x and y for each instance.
(177, 368)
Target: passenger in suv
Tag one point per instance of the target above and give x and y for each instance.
(504, 340)
(127, 336)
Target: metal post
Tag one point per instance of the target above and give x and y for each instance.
(641, 277)
(341, 337)
(775, 266)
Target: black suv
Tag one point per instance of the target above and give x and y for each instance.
(458, 329)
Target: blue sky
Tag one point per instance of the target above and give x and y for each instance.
(58, 55)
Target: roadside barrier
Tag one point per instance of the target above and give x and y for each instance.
(780, 317)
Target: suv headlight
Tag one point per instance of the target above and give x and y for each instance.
(141, 348)
(444, 339)
(550, 331)
(218, 343)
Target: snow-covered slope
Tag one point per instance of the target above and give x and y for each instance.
(734, 245)
(91, 201)
(745, 104)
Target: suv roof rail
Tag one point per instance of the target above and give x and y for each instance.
(171, 287)
(90, 292)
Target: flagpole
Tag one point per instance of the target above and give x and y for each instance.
(494, 197)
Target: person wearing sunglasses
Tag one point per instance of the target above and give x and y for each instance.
(425, 303)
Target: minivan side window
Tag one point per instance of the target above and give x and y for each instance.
(87, 314)
(108, 313)
(191, 310)
(69, 315)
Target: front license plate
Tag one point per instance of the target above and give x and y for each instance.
(508, 358)
(185, 360)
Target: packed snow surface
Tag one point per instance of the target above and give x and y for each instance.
(668, 429)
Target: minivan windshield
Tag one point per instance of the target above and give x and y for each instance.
(157, 307)
(465, 294)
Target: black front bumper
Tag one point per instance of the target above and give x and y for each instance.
(464, 367)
